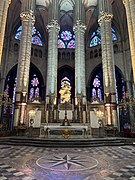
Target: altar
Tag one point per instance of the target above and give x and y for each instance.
(66, 129)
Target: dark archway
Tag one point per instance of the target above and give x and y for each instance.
(66, 71)
(120, 82)
(11, 80)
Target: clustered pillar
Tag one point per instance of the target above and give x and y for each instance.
(105, 18)
(4, 4)
(130, 11)
(52, 66)
(28, 19)
(80, 84)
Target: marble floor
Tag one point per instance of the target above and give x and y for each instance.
(96, 163)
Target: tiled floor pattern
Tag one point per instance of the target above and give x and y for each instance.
(7, 172)
(114, 163)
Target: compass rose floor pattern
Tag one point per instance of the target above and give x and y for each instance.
(95, 163)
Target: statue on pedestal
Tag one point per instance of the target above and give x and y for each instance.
(65, 93)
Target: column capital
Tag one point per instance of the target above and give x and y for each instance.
(53, 23)
(26, 16)
(79, 26)
(104, 16)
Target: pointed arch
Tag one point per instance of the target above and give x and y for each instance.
(69, 73)
(95, 86)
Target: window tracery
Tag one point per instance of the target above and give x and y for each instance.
(36, 36)
(96, 37)
(66, 39)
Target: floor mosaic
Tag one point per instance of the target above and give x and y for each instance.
(96, 163)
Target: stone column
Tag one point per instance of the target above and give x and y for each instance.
(28, 19)
(105, 17)
(79, 29)
(80, 81)
(52, 66)
(4, 4)
(80, 86)
(53, 29)
(130, 12)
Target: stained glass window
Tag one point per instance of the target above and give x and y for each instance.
(66, 35)
(71, 44)
(13, 100)
(61, 44)
(95, 41)
(66, 39)
(36, 36)
(34, 89)
(36, 40)
(5, 98)
(96, 90)
(96, 37)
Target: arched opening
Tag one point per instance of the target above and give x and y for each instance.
(96, 88)
(11, 80)
(69, 73)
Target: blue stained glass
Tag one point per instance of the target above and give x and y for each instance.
(61, 44)
(71, 44)
(36, 40)
(93, 92)
(93, 34)
(96, 82)
(34, 81)
(99, 94)
(96, 91)
(66, 35)
(66, 40)
(36, 36)
(37, 92)
(95, 41)
(34, 90)
(96, 37)
(18, 35)
(34, 31)
(114, 37)
(31, 95)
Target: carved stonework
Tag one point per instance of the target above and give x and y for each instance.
(105, 16)
(26, 16)
(79, 26)
(52, 24)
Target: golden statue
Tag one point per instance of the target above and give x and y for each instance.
(65, 92)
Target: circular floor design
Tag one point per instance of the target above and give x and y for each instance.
(67, 162)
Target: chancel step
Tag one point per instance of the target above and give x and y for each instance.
(69, 143)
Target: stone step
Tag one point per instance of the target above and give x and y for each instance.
(23, 141)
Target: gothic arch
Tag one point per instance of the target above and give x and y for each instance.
(120, 82)
(69, 72)
(11, 76)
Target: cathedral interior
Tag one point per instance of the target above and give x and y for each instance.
(68, 62)
(67, 94)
